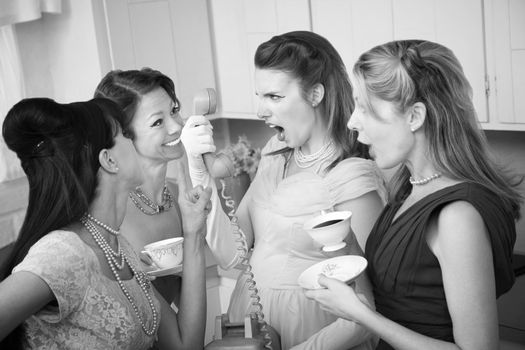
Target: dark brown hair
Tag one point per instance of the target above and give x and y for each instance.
(312, 60)
(126, 88)
(58, 146)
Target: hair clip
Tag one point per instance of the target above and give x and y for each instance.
(38, 145)
(37, 150)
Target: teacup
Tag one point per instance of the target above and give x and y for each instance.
(166, 253)
(329, 229)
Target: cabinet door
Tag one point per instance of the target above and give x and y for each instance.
(354, 26)
(506, 44)
(239, 27)
(171, 36)
(132, 27)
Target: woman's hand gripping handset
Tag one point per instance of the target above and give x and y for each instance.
(197, 137)
(185, 329)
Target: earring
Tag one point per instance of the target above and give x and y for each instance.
(116, 169)
(412, 129)
(314, 104)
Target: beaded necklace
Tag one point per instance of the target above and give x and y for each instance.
(167, 201)
(424, 180)
(304, 161)
(141, 277)
(103, 225)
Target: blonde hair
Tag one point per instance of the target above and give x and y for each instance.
(408, 71)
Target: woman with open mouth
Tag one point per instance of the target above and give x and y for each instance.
(441, 251)
(313, 163)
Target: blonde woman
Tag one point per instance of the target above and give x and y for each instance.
(440, 253)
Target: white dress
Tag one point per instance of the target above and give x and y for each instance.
(283, 250)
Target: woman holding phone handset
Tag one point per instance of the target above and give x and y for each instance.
(312, 164)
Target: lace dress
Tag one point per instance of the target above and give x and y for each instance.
(92, 311)
(283, 250)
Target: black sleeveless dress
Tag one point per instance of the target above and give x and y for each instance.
(405, 274)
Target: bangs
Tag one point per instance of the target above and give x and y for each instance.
(360, 90)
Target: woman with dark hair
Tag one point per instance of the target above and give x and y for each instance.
(72, 280)
(440, 253)
(152, 120)
(313, 163)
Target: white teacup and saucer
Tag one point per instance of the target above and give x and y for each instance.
(329, 229)
(164, 256)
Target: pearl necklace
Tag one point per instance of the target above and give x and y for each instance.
(167, 201)
(141, 277)
(113, 255)
(423, 181)
(304, 161)
(103, 225)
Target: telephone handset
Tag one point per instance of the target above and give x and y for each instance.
(254, 333)
(219, 165)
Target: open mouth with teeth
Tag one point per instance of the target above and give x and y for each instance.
(172, 143)
(279, 130)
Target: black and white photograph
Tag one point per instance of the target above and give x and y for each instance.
(262, 174)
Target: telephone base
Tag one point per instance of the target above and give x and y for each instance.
(240, 336)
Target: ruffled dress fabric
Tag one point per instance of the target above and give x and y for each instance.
(405, 274)
(283, 250)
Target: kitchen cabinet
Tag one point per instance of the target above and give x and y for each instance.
(505, 21)
(238, 28)
(172, 36)
(369, 23)
(487, 36)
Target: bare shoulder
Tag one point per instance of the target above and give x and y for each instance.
(458, 212)
(458, 225)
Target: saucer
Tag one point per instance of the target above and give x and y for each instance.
(165, 271)
(334, 247)
(345, 268)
